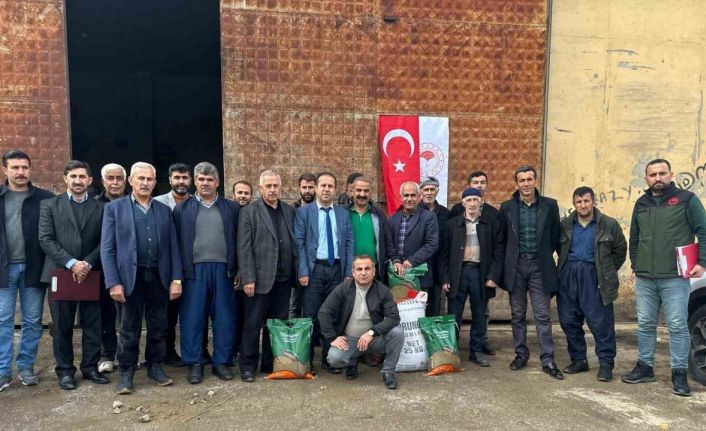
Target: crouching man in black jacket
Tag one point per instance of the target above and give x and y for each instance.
(360, 316)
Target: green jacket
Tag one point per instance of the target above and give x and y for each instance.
(661, 223)
(609, 250)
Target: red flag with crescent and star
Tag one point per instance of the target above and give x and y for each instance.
(399, 151)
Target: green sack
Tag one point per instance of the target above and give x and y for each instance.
(291, 343)
(401, 286)
(442, 343)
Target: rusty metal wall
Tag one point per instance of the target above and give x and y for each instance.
(304, 82)
(33, 85)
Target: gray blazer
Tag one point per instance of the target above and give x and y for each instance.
(62, 239)
(257, 245)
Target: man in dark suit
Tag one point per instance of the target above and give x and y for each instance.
(416, 234)
(325, 248)
(479, 180)
(206, 229)
(267, 252)
(430, 189)
(142, 269)
(21, 262)
(113, 177)
(471, 266)
(531, 231)
(69, 233)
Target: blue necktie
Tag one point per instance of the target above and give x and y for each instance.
(329, 236)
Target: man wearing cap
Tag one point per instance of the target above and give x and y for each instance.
(430, 189)
(479, 180)
(471, 266)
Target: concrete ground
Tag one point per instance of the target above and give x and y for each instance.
(492, 398)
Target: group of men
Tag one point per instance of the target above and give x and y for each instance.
(187, 259)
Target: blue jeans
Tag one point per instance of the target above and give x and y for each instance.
(31, 306)
(673, 295)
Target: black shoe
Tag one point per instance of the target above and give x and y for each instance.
(222, 372)
(156, 373)
(518, 363)
(680, 383)
(312, 369)
(351, 372)
(553, 371)
(195, 374)
(487, 349)
(390, 379)
(172, 359)
(577, 366)
(326, 366)
(247, 376)
(605, 373)
(67, 383)
(206, 357)
(479, 359)
(125, 386)
(642, 373)
(95, 376)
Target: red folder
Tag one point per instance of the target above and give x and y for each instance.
(64, 288)
(687, 258)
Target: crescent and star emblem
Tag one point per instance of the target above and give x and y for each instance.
(398, 133)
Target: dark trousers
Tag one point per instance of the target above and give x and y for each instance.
(209, 294)
(259, 308)
(529, 281)
(579, 299)
(109, 337)
(433, 300)
(322, 281)
(471, 287)
(239, 322)
(295, 303)
(64, 315)
(149, 298)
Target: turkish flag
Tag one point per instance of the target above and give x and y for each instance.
(399, 151)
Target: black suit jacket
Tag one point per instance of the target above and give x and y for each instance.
(258, 251)
(63, 239)
(491, 251)
(421, 240)
(548, 235)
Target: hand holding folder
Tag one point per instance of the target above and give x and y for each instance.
(687, 259)
(65, 287)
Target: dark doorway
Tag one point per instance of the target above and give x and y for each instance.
(145, 82)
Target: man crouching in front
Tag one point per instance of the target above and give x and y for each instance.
(360, 316)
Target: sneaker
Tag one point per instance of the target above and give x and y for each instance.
(156, 372)
(125, 385)
(642, 373)
(106, 366)
(680, 383)
(5, 382)
(27, 377)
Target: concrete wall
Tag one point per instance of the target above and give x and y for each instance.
(626, 85)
